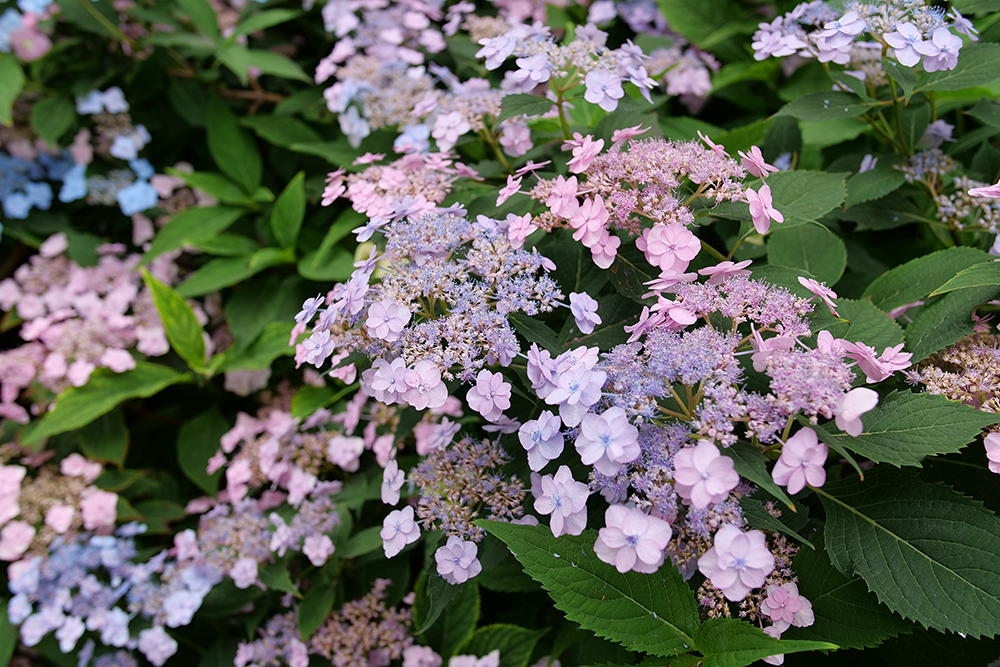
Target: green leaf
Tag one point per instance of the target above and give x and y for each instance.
(362, 542)
(652, 613)
(806, 196)
(78, 406)
(11, 83)
(846, 613)
(276, 64)
(183, 330)
(860, 321)
(289, 211)
(728, 642)
(237, 58)
(106, 439)
(227, 245)
(917, 278)
(758, 517)
(308, 400)
(202, 15)
(523, 105)
(705, 23)
(52, 116)
(459, 618)
(905, 427)
(213, 184)
(315, 607)
(630, 271)
(873, 184)
(536, 331)
(514, 643)
(281, 130)
(433, 594)
(276, 577)
(8, 636)
(783, 136)
(330, 261)
(986, 112)
(810, 248)
(158, 514)
(266, 19)
(216, 274)
(191, 226)
(901, 74)
(946, 321)
(232, 147)
(271, 344)
(977, 66)
(892, 211)
(751, 463)
(832, 105)
(198, 439)
(833, 443)
(925, 550)
(501, 571)
(986, 274)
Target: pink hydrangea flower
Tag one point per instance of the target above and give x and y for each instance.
(392, 482)
(988, 191)
(456, 560)
(99, 509)
(345, 452)
(243, 573)
(761, 209)
(387, 319)
(632, 540)
(491, 395)
(589, 221)
(542, 439)
(723, 270)
(399, 529)
(607, 441)
(584, 309)
(992, 444)
(765, 348)
(76, 465)
(855, 403)
(801, 462)
(670, 247)
(420, 656)
(318, 548)
(15, 538)
(509, 190)
(753, 161)
(585, 150)
(157, 645)
(60, 517)
(431, 436)
(821, 291)
(605, 249)
(738, 562)
(562, 199)
(519, 229)
(785, 607)
(425, 389)
(565, 500)
(703, 475)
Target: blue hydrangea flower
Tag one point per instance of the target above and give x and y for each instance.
(137, 197)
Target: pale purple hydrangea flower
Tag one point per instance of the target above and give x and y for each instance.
(992, 444)
(157, 645)
(604, 88)
(392, 482)
(785, 607)
(632, 540)
(425, 389)
(855, 403)
(906, 42)
(841, 32)
(801, 462)
(577, 389)
(703, 475)
(420, 656)
(386, 320)
(456, 560)
(398, 530)
(565, 500)
(940, 51)
(542, 439)
(738, 562)
(244, 573)
(584, 309)
(318, 548)
(491, 395)
(318, 348)
(309, 309)
(608, 441)
(534, 69)
(491, 659)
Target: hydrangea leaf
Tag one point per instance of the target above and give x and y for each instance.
(946, 321)
(751, 463)
(652, 613)
(873, 184)
(986, 274)
(11, 83)
(315, 607)
(847, 614)
(458, 619)
(758, 517)
(977, 66)
(52, 116)
(806, 196)
(78, 406)
(191, 226)
(832, 105)
(917, 278)
(106, 439)
(860, 321)
(197, 441)
(905, 427)
(183, 329)
(232, 147)
(523, 104)
(514, 643)
(928, 552)
(289, 211)
(432, 595)
(810, 248)
(728, 642)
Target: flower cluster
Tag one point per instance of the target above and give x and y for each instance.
(364, 632)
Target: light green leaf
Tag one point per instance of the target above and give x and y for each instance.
(232, 147)
(846, 613)
(183, 330)
(514, 643)
(905, 427)
(873, 184)
(946, 321)
(8, 635)
(52, 116)
(213, 184)
(197, 441)
(237, 58)
(216, 274)
(810, 248)
(919, 277)
(986, 274)
(227, 245)
(78, 406)
(523, 105)
(751, 463)
(832, 105)
(806, 196)
(271, 344)
(190, 226)
(281, 130)
(106, 439)
(728, 642)
(276, 64)
(276, 577)
(862, 322)
(656, 614)
(986, 112)
(289, 211)
(901, 74)
(705, 23)
(308, 399)
(978, 65)
(202, 15)
(11, 83)
(928, 552)
(266, 19)
(362, 542)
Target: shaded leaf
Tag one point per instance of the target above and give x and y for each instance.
(197, 441)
